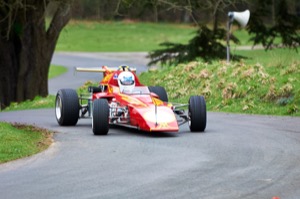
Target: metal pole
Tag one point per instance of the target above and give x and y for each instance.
(228, 39)
(230, 20)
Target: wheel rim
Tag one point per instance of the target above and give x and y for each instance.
(58, 107)
(92, 122)
(189, 119)
(92, 118)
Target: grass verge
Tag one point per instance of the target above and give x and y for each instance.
(238, 87)
(55, 71)
(37, 103)
(18, 141)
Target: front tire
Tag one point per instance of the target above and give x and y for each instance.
(100, 121)
(67, 107)
(197, 113)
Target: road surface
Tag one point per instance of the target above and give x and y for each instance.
(238, 156)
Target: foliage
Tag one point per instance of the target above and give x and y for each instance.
(286, 26)
(206, 45)
(151, 10)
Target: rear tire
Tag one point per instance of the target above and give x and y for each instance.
(197, 113)
(160, 91)
(100, 121)
(67, 107)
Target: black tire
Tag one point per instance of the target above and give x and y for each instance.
(197, 113)
(100, 121)
(160, 91)
(67, 107)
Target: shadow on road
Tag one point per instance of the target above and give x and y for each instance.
(137, 132)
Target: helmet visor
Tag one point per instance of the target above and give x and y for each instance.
(127, 80)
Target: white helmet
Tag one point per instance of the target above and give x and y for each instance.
(126, 82)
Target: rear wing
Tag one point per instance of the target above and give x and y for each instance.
(103, 69)
(108, 72)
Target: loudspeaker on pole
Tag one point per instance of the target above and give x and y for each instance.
(241, 17)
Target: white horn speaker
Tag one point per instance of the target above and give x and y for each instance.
(241, 17)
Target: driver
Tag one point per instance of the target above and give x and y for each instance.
(126, 82)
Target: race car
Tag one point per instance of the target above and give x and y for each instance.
(120, 99)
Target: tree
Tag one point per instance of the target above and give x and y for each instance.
(285, 25)
(207, 42)
(205, 45)
(27, 45)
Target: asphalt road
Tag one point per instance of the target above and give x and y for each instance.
(238, 156)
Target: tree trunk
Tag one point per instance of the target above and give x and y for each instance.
(33, 64)
(26, 49)
(9, 69)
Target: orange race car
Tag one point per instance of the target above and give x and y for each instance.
(120, 99)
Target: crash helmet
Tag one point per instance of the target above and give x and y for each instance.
(126, 82)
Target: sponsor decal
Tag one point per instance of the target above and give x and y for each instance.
(157, 102)
(115, 76)
(106, 78)
(163, 125)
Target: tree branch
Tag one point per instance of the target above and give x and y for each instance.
(59, 20)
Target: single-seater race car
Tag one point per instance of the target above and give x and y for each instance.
(120, 99)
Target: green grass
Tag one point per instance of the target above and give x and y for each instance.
(280, 65)
(37, 103)
(55, 71)
(243, 36)
(18, 141)
(271, 88)
(125, 36)
(266, 83)
(270, 58)
(120, 36)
